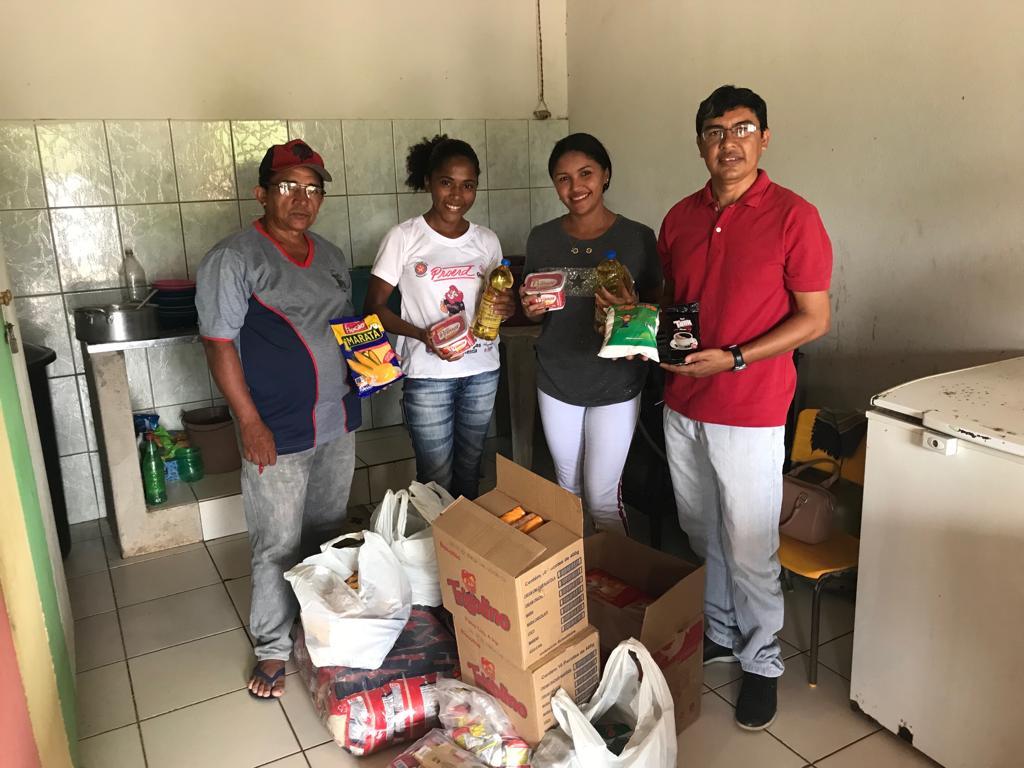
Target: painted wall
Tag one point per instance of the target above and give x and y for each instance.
(897, 121)
(263, 58)
(15, 725)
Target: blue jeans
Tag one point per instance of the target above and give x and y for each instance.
(448, 420)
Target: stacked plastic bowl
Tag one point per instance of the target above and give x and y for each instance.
(176, 303)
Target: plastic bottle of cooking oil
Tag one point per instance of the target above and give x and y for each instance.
(487, 320)
(609, 273)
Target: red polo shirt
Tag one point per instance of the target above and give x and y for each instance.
(742, 265)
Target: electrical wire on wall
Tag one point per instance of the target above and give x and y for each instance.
(541, 112)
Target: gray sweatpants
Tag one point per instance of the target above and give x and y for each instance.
(291, 508)
(728, 488)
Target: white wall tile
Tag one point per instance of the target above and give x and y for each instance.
(88, 247)
(43, 321)
(544, 205)
(154, 232)
(407, 133)
(76, 166)
(170, 415)
(21, 177)
(365, 410)
(393, 476)
(480, 213)
(324, 136)
(544, 134)
(510, 218)
(203, 159)
(387, 406)
(90, 427)
(474, 133)
(178, 374)
(250, 210)
(142, 161)
(79, 488)
(369, 157)
(67, 416)
(205, 225)
(97, 475)
(508, 161)
(370, 217)
(139, 390)
(413, 204)
(222, 517)
(252, 139)
(332, 223)
(26, 241)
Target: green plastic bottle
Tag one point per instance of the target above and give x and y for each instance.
(154, 486)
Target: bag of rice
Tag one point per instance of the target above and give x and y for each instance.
(631, 329)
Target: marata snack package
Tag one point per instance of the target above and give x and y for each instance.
(371, 359)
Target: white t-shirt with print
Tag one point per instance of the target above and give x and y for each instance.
(438, 277)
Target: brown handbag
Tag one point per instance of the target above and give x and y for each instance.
(808, 507)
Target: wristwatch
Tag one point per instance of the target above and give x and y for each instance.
(738, 364)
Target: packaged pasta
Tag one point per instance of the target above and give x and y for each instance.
(368, 353)
(631, 329)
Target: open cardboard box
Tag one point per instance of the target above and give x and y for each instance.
(671, 628)
(525, 694)
(522, 594)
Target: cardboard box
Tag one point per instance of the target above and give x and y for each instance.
(522, 593)
(671, 627)
(525, 694)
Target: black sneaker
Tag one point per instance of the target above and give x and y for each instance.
(758, 702)
(715, 653)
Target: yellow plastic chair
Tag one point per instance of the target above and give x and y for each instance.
(833, 558)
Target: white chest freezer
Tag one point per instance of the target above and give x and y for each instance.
(938, 649)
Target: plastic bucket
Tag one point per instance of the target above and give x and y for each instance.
(212, 430)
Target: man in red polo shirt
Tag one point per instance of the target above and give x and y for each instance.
(757, 258)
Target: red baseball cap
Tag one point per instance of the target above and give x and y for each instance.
(295, 154)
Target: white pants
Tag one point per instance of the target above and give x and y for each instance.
(589, 447)
(728, 488)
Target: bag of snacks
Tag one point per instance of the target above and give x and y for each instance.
(368, 353)
(631, 329)
(521, 520)
(453, 335)
(477, 723)
(678, 332)
(368, 710)
(436, 749)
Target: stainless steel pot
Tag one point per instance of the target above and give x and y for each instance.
(116, 322)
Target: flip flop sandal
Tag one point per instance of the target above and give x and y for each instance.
(269, 680)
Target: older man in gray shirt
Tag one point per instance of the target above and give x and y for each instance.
(266, 297)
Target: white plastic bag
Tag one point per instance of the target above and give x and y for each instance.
(477, 723)
(429, 499)
(346, 627)
(646, 702)
(411, 539)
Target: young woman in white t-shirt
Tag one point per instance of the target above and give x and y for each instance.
(439, 261)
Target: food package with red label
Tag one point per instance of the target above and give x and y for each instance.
(436, 749)
(548, 286)
(601, 585)
(368, 710)
(453, 335)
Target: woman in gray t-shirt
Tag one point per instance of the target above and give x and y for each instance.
(588, 405)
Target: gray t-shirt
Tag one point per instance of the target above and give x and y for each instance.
(568, 367)
(278, 313)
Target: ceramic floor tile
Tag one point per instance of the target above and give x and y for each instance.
(104, 699)
(393, 476)
(879, 750)
(837, 612)
(86, 557)
(190, 673)
(838, 655)
(232, 731)
(298, 706)
(115, 749)
(813, 721)
(386, 450)
(116, 561)
(719, 674)
(292, 761)
(241, 596)
(90, 595)
(715, 741)
(289, 665)
(158, 624)
(332, 756)
(85, 531)
(383, 433)
(98, 641)
(165, 576)
(232, 556)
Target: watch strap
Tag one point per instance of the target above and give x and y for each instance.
(737, 357)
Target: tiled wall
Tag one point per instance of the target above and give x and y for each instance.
(73, 195)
